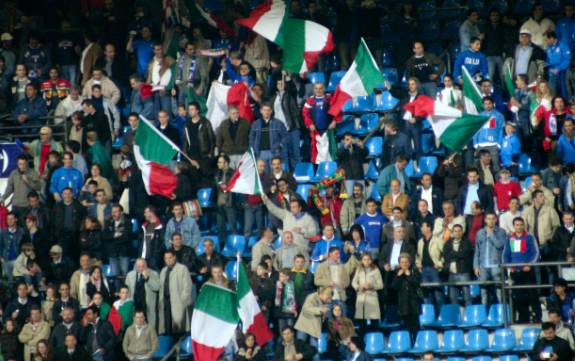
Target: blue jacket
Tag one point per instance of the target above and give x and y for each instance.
(388, 174)
(235, 76)
(277, 132)
(66, 177)
(93, 210)
(558, 56)
(490, 135)
(488, 249)
(510, 150)
(566, 149)
(565, 28)
(140, 105)
(372, 228)
(474, 61)
(521, 248)
(34, 108)
(189, 230)
(322, 247)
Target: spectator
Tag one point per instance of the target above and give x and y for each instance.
(71, 351)
(184, 254)
(79, 281)
(65, 302)
(558, 245)
(71, 213)
(11, 347)
(152, 239)
(490, 136)
(10, 241)
(183, 224)
(199, 140)
(96, 121)
(566, 144)
(98, 284)
(510, 151)
(372, 223)
(431, 194)
(140, 340)
(21, 182)
(351, 155)
(104, 105)
(367, 282)
(561, 302)
(429, 262)
(395, 198)
(267, 136)
(43, 351)
(67, 326)
(550, 346)
(232, 136)
(278, 172)
(55, 89)
(352, 208)
(160, 77)
(395, 220)
(286, 109)
(290, 348)
(474, 62)
(558, 60)
(406, 283)
(457, 253)
(474, 190)
(494, 45)
(426, 67)
(144, 284)
(391, 251)
(537, 25)
(317, 118)
(225, 211)
(394, 171)
(443, 226)
(314, 310)
(333, 273)
(143, 47)
(116, 234)
(141, 101)
(29, 111)
(288, 252)
(113, 66)
(262, 248)
(90, 238)
(100, 339)
(469, 30)
(33, 332)
(541, 220)
(175, 298)
(340, 330)
(395, 143)
(89, 56)
(450, 95)
(37, 59)
(422, 215)
(537, 184)
(565, 26)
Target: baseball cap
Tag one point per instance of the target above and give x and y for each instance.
(6, 37)
(525, 31)
(55, 249)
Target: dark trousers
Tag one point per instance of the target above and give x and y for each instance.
(411, 324)
(525, 298)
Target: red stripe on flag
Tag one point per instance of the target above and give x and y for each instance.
(260, 329)
(206, 353)
(222, 25)
(235, 177)
(255, 15)
(422, 107)
(311, 57)
(162, 180)
(238, 96)
(337, 101)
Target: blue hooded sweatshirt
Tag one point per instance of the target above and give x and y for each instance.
(474, 61)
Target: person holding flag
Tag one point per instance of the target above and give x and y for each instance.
(320, 123)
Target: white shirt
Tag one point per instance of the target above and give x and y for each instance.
(446, 94)
(278, 111)
(506, 220)
(426, 195)
(395, 252)
(83, 297)
(160, 81)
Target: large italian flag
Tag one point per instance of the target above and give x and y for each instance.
(360, 80)
(252, 318)
(222, 96)
(302, 40)
(214, 321)
(451, 126)
(246, 179)
(153, 152)
(472, 99)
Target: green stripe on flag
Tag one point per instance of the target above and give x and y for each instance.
(457, 134)
(509, 80)
(218, 302)
(258, 186)
(154, 146)
(367, 68)
(243, 282)
(471, 93)
(294, 44)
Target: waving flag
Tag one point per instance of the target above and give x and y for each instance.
(246, 179)
(253, 320)
(472, 99)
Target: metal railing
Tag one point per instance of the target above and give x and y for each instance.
(506, 286)
(10, 131)
(176, 349)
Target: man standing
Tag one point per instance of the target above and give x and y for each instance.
(174, 308)
(187, 74)
(267, 136)
(68, 326)
(71, 350)
(394, 171)
(537, 25)
(183, 224)
(426, 67)
(317, 118)
(352, 208)
(199, 139)
(351, 155)
(469, 29)
(100, 336)
(287, 111)
(35, 330)
(457, 254)
(558, 61)
(141, 101)
(474, 190)
(140, 340)
(286, 256)
(28, 111)
(566, 143)
(69, 214)
(541, 220)
(232, 136)
(431, 194)
(264, 247)
(473, 60)
(490, 136)
(152, 239)
(10, 240)
(144, 285)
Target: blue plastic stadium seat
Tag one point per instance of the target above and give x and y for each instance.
(362, 104)
(551, 6)
(477, 341)
(374, 343)
(455, 358)
(251, 242)
(495, 316)
(165, 343)
(476, 4)
(426, 340)
(401, 359)
(508, 358)
(234, 243)
(278, 241)
(481, 358)
(475, 291)
(372, 172)
(430, 31)
(325, 170)
(452, 9)
(528, 338)
(526, 184)
(410, 171)
(473, 316)
(334, 80)
(451, 30)
(427, 315)
(526, 166)
(453, 341)
(523, 7)
(322, 343)
(205, 197)
(427, 164)
(449, 316)
(313, 266)
(303, 191)
(427, 10)
(375, 193)
(384, 102)
(503, 341)
(345, 126)
(107, 270)
(374, 146)
(303, 172)
(387, 57)
(186, 350)
(317, 77)
(231, 270)
(367, 123)
(427, 142)
(500, 5)
(398, 342)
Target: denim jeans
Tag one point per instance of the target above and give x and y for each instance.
(313, 342)
(557, 83)
(119, 265)
(253, 213)
(433, 296)
(7, 269)
(70, 72)
(293, 148)
(266, 156)
(429, 88)
(495, 63)
(454, 290)
(413, 131)
(162, 102)
(225, 216)
(489, 274)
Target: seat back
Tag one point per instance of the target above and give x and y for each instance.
(387, 57)
(186, 346)
(453, 340)
(428, 164)
(236, 243)
(477, 339)
(374, 146)
(475, 314)
(165, 343)
(528, 337)
(303, 172)
(373, 342)
(231, 270)
(399, 341)
(334, 80)
(496, 314)
(481, 358)
(303, 191)
(503, 339)
(322, 343)
(372, 171)
(508, 358)
(205, 197)
(427, 315)
(326, 169)
(449, 313)
(426, 340)
(316, 77)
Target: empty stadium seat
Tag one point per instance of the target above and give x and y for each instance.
(481, 358)
(303, 191)
(313, 266)
(454, 358)
(427, 143)
(325, 170)
(500, 5)
(231, 270)
(387, 57)
(426, 340)
(374, 343)
(234, 243)
(367, 123)
(205, 197)
(251, 242)
(322, 343)
(398, 342)
(427, 315)
(375, 193)
(449, 316)
(362, 104)
(391, 75)
(334, 80)
(384, 102)
(453, 341)
(107, 270)
(473, 316)
(186, 350)
(451, 9)
(317, 77)
(526, 184)
(551, 6)
(508, 358)
(477, 340)
(165, 343)
(503, 341)
(523, 7)
(303, 172)
(495, 316)
(427, 10)
(526, 166)
(451, 30)
(374, 146)
(527, 340)
(427, 164)
(372, 172)
(430, 31)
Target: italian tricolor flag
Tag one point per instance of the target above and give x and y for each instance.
(451, 126)
(153, 152)
(302, 40)
(252, 318)
(360, 80)
(246, 179)
(214, 321)
(472, 99)
(222, 96)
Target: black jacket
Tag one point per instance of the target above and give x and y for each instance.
(408, 293)
(289, 105)
(206, 138)
(560, 347)
(352, 163)
(154, 247)
(187, 256)
(119, 75)
(386, 250)
(90, 241)
(59, 333)
(394, 145)
(105, 337)
(302, 347)
(172, 133)
(79, 355)
(59, 305)
(559, 243)
(463, 257)
(58, 231)
(120, 242)
(42, 214)
(437, 198)
(42, 243)
(61, 272)
(485, 198)
(99, 123)
(104, 290)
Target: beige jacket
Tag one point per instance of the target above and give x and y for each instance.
(109, 89)
(30, 335)
(260, 249)
(438, 227)
(310, 318)
(525, 198)
(307, 225)
(322, 278)
(347, 214)
(180, 289)
(547, 224)
(435, 252)
(143, 346)
(367, 302)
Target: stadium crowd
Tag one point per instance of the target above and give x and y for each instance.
(95, 268)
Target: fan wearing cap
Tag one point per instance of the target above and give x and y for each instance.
(528, 58)
(7, 53)
(60, 268)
